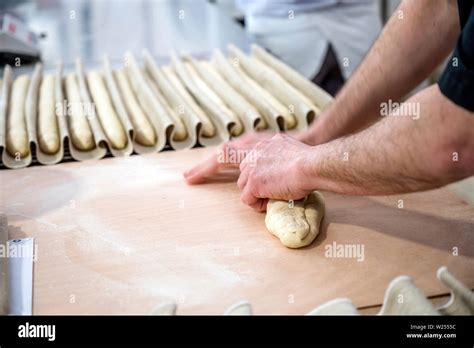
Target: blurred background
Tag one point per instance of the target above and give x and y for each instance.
(324, 39)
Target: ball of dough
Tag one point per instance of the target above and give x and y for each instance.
(296, 223)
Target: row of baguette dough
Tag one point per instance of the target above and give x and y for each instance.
(139, 109)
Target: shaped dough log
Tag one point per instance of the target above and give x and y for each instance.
(207, 125)
(181, 133)
(17, 136)
(177, 96)
(220, 107)
(244, 88)
(295, 225)
(288, 118)
(48, 131)
(109, 120)
(148, 101)
(315, 93)
(79, 128)
(232, 98)
(219, 115)
(144, 132)
(304, 108)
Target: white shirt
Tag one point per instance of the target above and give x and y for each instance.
(299, 31)
(281, 7)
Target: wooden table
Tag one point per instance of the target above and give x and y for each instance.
(121, 235)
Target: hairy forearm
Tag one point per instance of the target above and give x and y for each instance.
(399, 154)
(417, 38)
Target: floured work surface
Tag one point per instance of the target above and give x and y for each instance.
(121, 235)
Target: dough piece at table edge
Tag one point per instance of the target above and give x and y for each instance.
(298, 225)
(166, 308)
(239, 308)
(338, 306)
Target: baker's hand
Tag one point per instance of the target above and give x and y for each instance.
(273, 170)
(229, 156)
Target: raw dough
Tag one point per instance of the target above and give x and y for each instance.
(180, 130)
(177, 96)
(144, 133)
(247, 112)
(223, 120)
(288, 118)
(81, 133)
(148, 101)
(208, 127)
(48, 132)
(228, 71)
(209, 93)
(317, 95)
(109, 120)
(303, 108)
(17, 136)
(296, 224)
